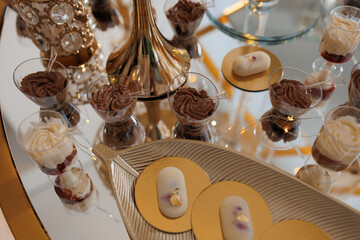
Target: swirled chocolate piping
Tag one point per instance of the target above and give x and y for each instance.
(185, 11)
(354, 88)
(43, 84)
(192, 104)
(111, 97)
(291, 92)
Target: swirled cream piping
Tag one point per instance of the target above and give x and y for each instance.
(337, 41)
(347, 131)
(48, 143)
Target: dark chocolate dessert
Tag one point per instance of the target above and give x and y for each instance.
(185, 17)
(45, 88)
(120, 136)
(289, 97)
(192, 104)
(279, 127)
(110, 100)
(354, 88)
(105, 13)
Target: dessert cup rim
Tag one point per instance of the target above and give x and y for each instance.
(316, 84)
(52, 70)
(343, 6)
(21, 139)
(75, 164)
(203, 3)
(89, 97)
(327, 118)
(169, 95)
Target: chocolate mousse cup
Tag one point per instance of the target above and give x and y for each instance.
(289, 94)
(184, 16)
(192, 97)
(337, 145)
(354, 86)
(48, 89)
(114, 98)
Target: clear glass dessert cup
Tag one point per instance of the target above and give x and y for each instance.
(121, 128)
(75, 189)
(45, 137)
(336, 147)
(278, 131)
(340, 39)
(187, 126)
(184, 28)
(57, 102)
(354, 86)
(281, 102)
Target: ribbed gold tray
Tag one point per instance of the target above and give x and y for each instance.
(287, 197)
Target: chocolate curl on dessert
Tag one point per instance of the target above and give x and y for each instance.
(185, 11)
(43, 84)
(192, 104)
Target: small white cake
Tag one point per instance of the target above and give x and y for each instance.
(235, 219)
(252, 63)
(171, 190)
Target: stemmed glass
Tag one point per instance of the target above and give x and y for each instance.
(46, 83)
(336, 147)
(340, 39)
(185, 17)
(279, 128)
(193, 98)
(114, 98)
(45, 137)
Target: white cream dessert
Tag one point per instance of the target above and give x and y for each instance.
(315, 176)
(171, 192)
(235, 219)
(339, 146)
(340, 38)
(50, 146)
(252, 63)
(75, 190)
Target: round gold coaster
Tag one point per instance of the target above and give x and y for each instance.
(196, 180)
(253, 83)
(205, 216)
(294, 230)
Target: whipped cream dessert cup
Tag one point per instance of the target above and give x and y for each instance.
(114, 98)
(337, 145)
(76, 190)
(235, 219)
(341, 34)
(184, 16)
(354, 86)
(289, 94)
(194, 99)
(45, 137)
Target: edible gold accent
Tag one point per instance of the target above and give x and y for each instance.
(242, 218)
(249, 58)
(175, 198)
